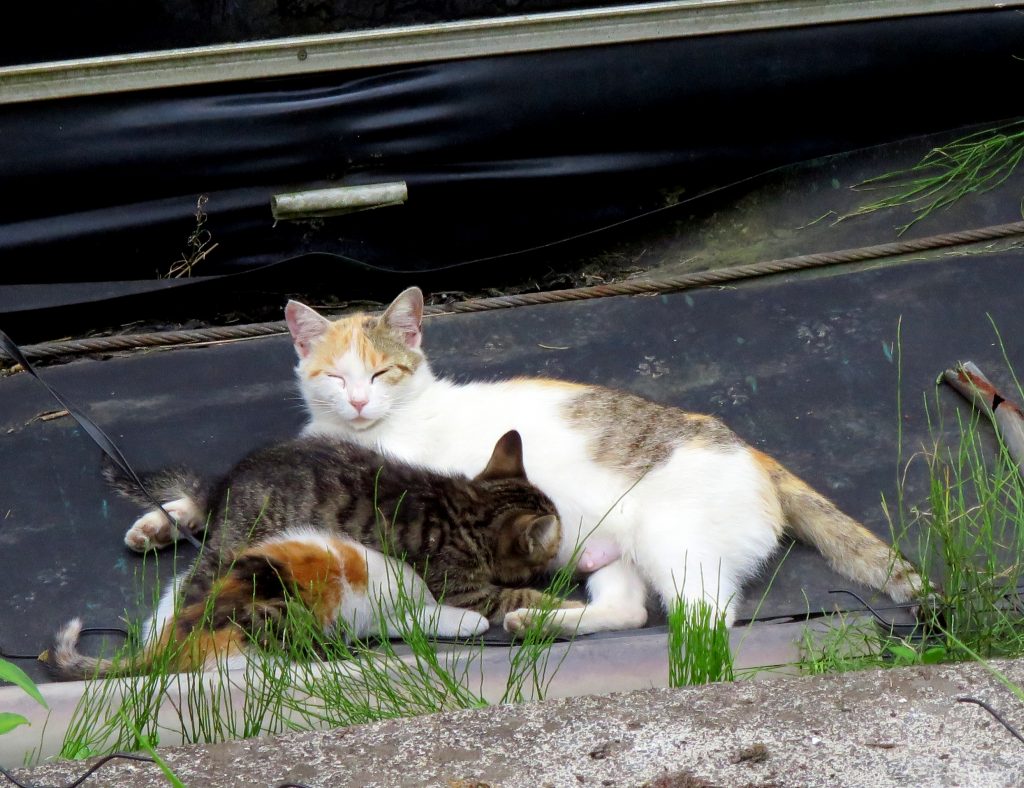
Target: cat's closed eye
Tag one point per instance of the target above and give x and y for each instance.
(337, 377)
(380, 372)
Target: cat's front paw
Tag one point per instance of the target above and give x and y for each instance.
(473, 623)
(152, 531)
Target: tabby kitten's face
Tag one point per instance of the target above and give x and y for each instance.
(358, 368)
(528, 533)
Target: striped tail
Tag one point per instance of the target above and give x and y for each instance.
(166, 485)
(70, 663)
(849, 547)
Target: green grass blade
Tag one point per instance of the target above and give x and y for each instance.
(9, 721)
(15, 675)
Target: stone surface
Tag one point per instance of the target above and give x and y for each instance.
(902, 727)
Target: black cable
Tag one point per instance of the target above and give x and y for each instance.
(892, 626)
(87, 774)
(994, 713)
(99, 436)
(87, 631)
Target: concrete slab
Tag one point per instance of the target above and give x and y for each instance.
(902, 727)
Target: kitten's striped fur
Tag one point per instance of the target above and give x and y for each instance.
(478, 542)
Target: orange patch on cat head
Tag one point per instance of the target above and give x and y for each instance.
(358, 334)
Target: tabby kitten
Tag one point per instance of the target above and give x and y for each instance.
(691, 509)
(475, 541)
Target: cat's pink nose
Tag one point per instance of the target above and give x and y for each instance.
(358, 404)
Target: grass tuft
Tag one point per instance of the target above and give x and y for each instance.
(973, 164)
(698, 644)
(970, 543)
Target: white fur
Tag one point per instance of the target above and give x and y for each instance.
(347, 381)
(698, 525)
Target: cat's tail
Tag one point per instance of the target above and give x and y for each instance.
(67, 662)
(849, 547)
(173, 651)
(169, 484)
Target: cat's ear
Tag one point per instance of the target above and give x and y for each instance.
(405, 317)
(305, 325)
(507, 459)
(541, 535)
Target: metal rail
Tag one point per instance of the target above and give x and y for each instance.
(447, 41)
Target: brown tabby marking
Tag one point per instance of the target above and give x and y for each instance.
(467, 538)
(631, 434)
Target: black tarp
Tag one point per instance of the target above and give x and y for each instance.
(500, 153)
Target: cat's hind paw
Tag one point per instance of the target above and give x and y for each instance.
(152, 531)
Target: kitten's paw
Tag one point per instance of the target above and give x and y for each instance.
(520, 620)
(553, 621)
(152, 531)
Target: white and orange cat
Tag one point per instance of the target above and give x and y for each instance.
(340, 581)
(674, 501)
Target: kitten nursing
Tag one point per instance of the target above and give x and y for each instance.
(307, 519)
(664, 499)
(691, 508)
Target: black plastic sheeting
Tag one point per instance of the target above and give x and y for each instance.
(500, 153)
(804, 369)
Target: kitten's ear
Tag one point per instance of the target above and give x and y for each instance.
(305, 325)
(541, 535)
(405, 316)
(507, 459)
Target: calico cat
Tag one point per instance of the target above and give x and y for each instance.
(309, 516)
(687, 507)
(337, 579)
